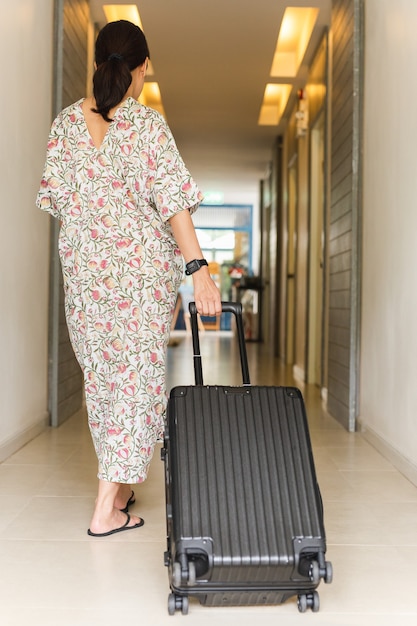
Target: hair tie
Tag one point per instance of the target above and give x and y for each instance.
(115, 55)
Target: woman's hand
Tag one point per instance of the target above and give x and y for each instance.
(206, 294)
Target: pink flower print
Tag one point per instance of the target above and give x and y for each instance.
(133, 137)
(53, 182)
(154, 326)
(99, 327)
(127, 149)
(109, 327)
(107, 221)
(90, 173)
(133, 377)
(135, 262)
(162, 139)
(106, 355)
(109, 282)
(123, 453)
(133, 326)
(166, 266)
(126, 282)
(52, 144)
(123, 125)
(129, 390)
(123, 305)
(114, 430)
(158, 295)
(116, 184)
(154, 357)
(186, 187)
(124, 242)
(117, 345)
(94, 233)
(103, 264)
(122, 368)
(75, 211)
(92, 265)
(96, 295)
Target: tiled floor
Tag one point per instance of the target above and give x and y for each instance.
(52, 573)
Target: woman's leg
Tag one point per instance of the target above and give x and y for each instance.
(106, 515)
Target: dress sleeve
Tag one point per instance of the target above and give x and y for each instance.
(48, 198)
(174, 189)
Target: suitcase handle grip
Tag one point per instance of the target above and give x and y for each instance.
(227, 307)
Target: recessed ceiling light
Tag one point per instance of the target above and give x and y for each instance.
(294, 36)
(129, 12)
(274, 103)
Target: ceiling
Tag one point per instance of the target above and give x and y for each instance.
(212, 61)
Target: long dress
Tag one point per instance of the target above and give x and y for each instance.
(121, 269)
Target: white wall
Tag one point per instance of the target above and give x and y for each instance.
(26, 43)
(388, 397)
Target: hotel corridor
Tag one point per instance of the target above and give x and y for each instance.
(52, 573)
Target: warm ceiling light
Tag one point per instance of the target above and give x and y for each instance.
(274, 103)
(129, 12)
(151, 97)
(293, 39)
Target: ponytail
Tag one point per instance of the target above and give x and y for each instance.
(120, 48)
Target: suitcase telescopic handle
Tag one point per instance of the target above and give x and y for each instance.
(227, 307)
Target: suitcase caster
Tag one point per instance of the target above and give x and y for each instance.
(177, 603)
(178, 576)
(309, 601)
(317, 572)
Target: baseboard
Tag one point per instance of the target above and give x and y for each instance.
(12, 445)
(403, 465)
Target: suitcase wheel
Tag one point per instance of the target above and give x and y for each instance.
(328, 577)
(309, 601)
(177, 603)
(178, 577)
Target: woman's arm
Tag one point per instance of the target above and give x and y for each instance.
(206, 294)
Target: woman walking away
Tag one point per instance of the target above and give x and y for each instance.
(115, 179)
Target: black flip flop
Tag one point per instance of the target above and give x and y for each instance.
(117, 530)
(131, 500)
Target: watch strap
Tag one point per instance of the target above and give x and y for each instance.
(194, 266)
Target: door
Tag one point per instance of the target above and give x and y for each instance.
(316, 256)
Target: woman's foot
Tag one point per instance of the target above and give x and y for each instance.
(103, 525)
(128, 525)
(107, 516)
(125, 498)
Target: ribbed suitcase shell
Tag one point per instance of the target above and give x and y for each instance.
(243, 504)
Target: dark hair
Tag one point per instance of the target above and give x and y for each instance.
(120, 48)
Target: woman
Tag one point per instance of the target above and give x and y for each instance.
(115, 180)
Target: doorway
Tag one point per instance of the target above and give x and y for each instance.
(316, 255)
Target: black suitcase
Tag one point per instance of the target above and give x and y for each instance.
(244, 511)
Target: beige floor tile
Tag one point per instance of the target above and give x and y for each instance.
(52, 573)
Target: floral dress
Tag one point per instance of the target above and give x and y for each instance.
(122, 269)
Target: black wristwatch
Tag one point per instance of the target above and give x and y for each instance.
(194, 266)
